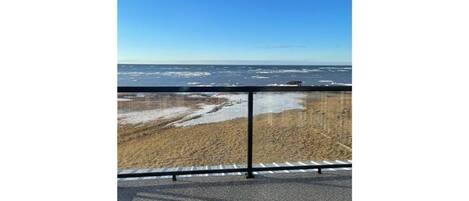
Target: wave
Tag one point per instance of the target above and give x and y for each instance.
(282, 85)
(342, 84)
(178, 74)
(335, 68)
(330, 81)
(289, 71)
(204, 85)
(259, 77)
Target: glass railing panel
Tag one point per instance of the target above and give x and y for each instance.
(167, 130)
(302, 126)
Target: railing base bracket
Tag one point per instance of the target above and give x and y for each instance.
(249, 175)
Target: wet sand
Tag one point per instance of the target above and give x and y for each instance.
(320, 131)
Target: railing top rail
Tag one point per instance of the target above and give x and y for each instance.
(233, 89)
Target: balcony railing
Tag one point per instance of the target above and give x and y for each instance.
(250, 90)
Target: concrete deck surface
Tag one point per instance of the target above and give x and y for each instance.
(330, 186)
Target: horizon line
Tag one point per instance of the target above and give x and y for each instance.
(201, 64)
(235, 62)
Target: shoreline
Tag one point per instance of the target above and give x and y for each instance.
(227, 107)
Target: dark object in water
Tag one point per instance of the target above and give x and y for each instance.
(295, 82)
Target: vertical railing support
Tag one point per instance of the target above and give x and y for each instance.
(249, 173)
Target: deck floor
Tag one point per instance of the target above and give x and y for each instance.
(330, 185)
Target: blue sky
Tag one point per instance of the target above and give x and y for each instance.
(235, 31)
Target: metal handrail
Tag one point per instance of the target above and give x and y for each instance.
(235, 89)
(250, 90)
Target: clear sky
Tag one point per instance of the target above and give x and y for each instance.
(235, 31)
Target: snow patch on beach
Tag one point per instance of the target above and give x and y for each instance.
(204, 109)
(152, 115)
(236, 107)
(197, 96)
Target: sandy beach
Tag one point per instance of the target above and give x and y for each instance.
(168, 130)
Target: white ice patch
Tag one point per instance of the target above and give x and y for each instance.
(203, 110)
(123, 99)
(152, 115)
(196, 96)
(237, 107)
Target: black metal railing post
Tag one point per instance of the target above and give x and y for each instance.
(249, 173)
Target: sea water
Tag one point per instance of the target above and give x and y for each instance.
(231, 75)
